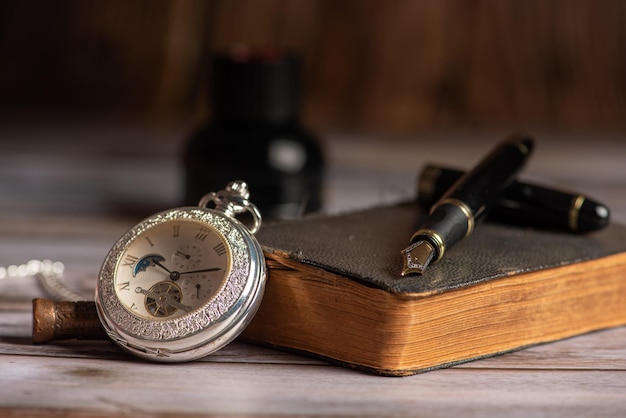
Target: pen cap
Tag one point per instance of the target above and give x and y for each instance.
(527, 204)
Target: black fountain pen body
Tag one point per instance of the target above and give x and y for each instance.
(525, 204)
(466, 203)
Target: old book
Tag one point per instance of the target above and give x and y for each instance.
(335, 291)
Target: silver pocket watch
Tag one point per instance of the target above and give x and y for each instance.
(185, 282)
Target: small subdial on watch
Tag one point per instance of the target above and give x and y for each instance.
(163, 299)
(199, 287)
(187, 257)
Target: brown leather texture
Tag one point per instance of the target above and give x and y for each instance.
(365, 246)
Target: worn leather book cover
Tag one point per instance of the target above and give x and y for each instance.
(335, 290)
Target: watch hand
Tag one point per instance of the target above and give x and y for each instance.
(174, 275)
(200, 271)
(156, 263)
(163, 297)
(187, 256)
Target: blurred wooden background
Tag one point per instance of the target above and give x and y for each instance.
(394, 66)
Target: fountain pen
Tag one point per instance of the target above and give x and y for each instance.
(454, 216)
(526, 204)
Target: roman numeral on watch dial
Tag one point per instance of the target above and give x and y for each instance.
(129, 260)
(220, 249)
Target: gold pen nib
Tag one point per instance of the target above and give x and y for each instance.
(417, 257)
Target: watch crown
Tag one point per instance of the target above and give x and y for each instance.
(240, 187)
(232, 201)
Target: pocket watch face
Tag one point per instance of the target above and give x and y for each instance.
(181, 284)
(171, 269)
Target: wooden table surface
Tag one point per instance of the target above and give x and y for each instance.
(67, 191)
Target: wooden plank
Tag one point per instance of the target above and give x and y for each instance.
(120, 386)
(602, 350)
(16, 339)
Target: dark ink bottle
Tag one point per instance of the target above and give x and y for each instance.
(256, 136)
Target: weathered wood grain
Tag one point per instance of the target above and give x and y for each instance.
(602, 350)
(220, 388)
(393, 66)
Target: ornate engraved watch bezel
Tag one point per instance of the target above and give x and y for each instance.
(204, 330)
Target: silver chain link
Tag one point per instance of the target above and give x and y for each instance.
(49, 275)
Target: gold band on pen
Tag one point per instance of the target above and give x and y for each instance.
(574, 211)
(523, 148)
(437, 239)
(463, 207)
